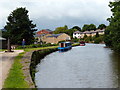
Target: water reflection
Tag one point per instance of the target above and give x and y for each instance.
(91, 66)
(115, 57)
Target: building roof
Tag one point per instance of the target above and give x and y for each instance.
(3, 29)
(39, 35)
(2, 38)
(48, 30)
(78, 32)
(90, 32)
(55, 35)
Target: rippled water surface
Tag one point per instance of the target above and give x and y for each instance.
(90, 66)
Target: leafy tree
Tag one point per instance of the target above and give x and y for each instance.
(85, 36)
(87, 27)
(60, 29)
(92, 27)
(102, 26)
(97, 35)
(112, 33)
(99, 39)
(19, 27)
(76, 27)
(75, 40)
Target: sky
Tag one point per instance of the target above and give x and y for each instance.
(50, 14)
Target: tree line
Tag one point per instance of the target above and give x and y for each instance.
(112, 32)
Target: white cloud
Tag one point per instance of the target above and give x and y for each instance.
(68, 12)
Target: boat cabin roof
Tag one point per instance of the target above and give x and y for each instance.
(65, 42)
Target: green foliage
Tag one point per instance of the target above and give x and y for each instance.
(75, 40)
(85, 36)
(76, 27)
(99, 39)
(19, 27)
(87, 27)
(65, 30)
(37, 56)
(97, 35)
(102, 26)
(60, 29)
(15, 78)
(88, 39)
(70, 32)
(112, 33)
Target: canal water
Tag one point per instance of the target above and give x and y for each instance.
(90, 66)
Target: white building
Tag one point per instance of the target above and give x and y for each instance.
(77, 34)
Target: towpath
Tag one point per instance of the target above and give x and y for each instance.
(6, 61)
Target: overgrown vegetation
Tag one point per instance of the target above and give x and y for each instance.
(112, 32)
(95, 39)
(16, 77)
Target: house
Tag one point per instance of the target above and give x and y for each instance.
(77, 34)
(92, 33)
(53, 38)
(44, 31)
(3, 43)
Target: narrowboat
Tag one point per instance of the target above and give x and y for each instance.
(64, 46)
(82, 43)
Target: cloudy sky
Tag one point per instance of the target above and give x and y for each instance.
(49, 14)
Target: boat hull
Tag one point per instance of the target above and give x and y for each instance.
(62, 49)
(82, 44)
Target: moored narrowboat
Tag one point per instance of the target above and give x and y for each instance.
(64, 46)
(82, 43)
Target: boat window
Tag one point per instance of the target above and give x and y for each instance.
(61, 44)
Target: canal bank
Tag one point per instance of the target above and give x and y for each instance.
(37, 56)
(90, 66)
(20, 70)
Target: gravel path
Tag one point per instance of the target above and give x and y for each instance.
(6, 61)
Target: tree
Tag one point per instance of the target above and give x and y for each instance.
(91, 27)
(97, 35)
(19, 27)
(76, 27)
(60, 29)
(70, 32)
(87, 27)
(102, 26)
(112, 32)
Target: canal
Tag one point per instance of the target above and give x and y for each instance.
(90, 66)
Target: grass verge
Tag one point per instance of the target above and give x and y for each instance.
(15, 77)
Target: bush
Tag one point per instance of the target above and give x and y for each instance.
(98, 39)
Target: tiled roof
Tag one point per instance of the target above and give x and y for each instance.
(90, 32)
(78, 32)
(38, 35)
(55, 35)
(48, 30)
(2, 38)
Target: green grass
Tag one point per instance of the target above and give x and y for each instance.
(30, 49)
(76, 44)
(2, 50)
(15, 77)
